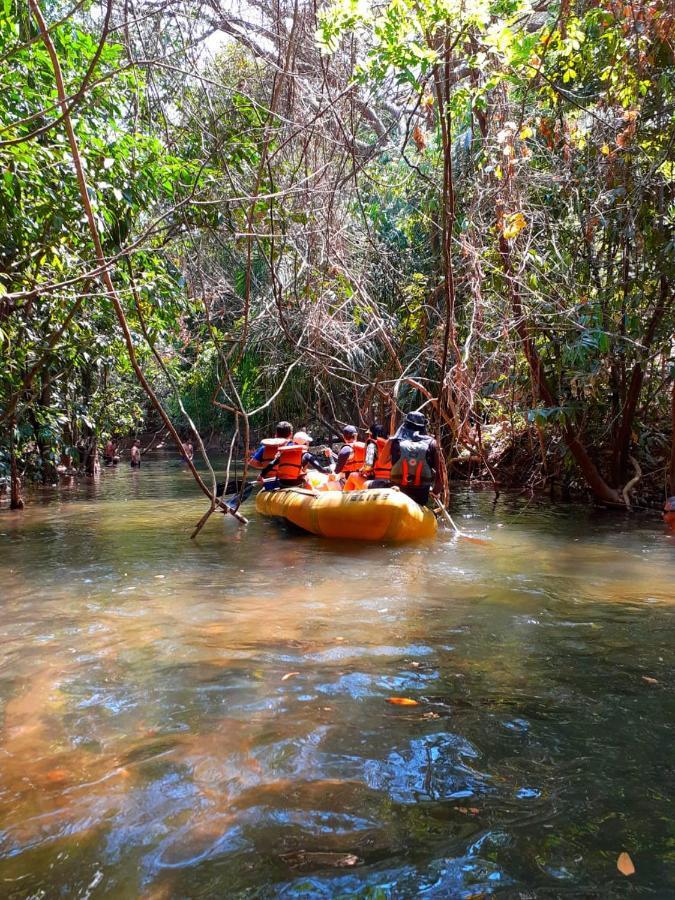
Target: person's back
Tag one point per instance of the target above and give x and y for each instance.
(415, 464)
(269, 447)
(292, 461)
(352, 455)
(136, 455)
(377, 464)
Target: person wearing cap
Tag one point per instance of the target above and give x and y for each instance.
(352, 455)
(268, 448)
(292, 461)
(415, 462)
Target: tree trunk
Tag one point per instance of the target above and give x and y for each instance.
(622, 444)
(105, 264)
(16, 500)
(672, 441)
(594, 479)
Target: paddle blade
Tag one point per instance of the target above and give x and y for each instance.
(232, 487)
(236, 502)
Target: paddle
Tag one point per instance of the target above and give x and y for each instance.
(233, 487)
(461, 535)
(237, 500)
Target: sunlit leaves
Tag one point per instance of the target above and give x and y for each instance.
(513, 225)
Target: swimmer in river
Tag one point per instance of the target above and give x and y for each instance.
(136, 455)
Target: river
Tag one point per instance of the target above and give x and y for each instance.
(210, 718)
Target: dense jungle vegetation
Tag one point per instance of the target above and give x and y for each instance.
(215, 215)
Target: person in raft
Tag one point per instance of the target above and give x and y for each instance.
(352, 456)
(269, 447)
(415, 466)
(136, 455)
(291, 462)
(377, 466)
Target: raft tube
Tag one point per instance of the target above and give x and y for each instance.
(376, 515)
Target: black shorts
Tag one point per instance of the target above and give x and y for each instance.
(418, 494)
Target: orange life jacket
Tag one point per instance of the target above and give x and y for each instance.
(381, 469)
(357, 458)
(271, 447)
(289, 466)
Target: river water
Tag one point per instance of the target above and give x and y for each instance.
(211, 718)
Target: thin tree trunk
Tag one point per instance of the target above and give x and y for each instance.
(101, 260)
(588, 468)
(671, 481)
(16, 500)
(622, 444)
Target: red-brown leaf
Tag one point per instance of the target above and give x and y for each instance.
(625, 864)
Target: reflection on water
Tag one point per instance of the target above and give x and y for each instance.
(210, 720)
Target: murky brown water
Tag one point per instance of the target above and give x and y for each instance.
(209, 719)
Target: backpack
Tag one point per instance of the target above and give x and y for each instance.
(412, 467)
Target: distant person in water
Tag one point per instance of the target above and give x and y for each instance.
(110, 457)
(669, 513)
(188, 449)
(136, 455)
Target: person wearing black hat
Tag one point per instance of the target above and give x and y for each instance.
(415, 463)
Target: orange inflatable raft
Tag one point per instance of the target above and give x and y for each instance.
(375, 515)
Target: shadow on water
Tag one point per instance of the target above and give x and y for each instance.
(210, 718)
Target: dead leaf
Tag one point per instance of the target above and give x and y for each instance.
(402, 701)
(57, 776)
(419, 138)
(649, 679)
(289, 675)
(625, 864)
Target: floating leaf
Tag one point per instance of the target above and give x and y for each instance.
(402, 701)
(625, 864)
(57, 776)
(289, 675)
